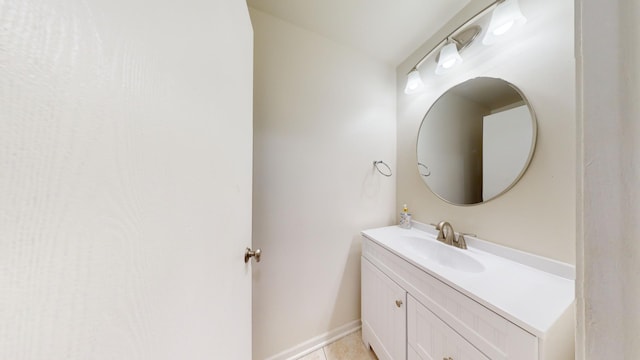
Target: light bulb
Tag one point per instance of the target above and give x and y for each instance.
(414, 82)
(506, 16)
(449, 63)
(503, 28)
(449, 57)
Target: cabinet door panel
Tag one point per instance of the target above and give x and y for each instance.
(432, 339)
(412, 354)
(383, 314)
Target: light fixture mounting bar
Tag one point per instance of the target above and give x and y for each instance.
(463, 39)
(451, 34)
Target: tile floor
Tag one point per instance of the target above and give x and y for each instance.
(349, 347)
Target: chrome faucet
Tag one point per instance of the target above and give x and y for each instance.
(449, 236)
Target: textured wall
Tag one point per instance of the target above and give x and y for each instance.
(323, 114)
(123, 214)
(538, 215)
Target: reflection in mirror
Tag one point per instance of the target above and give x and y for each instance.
(476, 141)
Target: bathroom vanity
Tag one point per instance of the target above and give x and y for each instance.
(422, 299)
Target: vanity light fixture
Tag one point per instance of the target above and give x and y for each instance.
(449, 57)
(414, 82)
(507, 14)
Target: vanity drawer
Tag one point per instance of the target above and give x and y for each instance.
(493, 335)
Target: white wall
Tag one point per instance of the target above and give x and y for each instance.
(609, 178)
(323, 114)
(123, 214)
(538, 214)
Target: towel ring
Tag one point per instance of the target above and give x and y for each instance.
(378, 162)
(426, 167)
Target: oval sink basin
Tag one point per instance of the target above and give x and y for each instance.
(442, 254)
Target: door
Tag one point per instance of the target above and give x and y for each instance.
(383, 314)
(125, 179)
(504, 149)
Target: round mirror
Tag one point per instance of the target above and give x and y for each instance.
(476, 141)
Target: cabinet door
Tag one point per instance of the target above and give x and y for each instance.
(384, 314)
(431, 339)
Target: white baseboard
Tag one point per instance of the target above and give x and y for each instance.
(317, 342)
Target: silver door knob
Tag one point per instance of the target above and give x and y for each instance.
(248, 254)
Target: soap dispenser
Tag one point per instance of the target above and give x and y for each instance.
(405, 218)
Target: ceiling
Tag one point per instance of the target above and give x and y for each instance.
(389, 30)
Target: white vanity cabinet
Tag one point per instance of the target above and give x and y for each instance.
(384, 311)
(410, 313)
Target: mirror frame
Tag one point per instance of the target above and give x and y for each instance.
(525, 167)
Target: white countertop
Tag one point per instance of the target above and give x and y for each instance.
(532, 296)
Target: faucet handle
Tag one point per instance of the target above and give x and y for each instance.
(461, 242)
